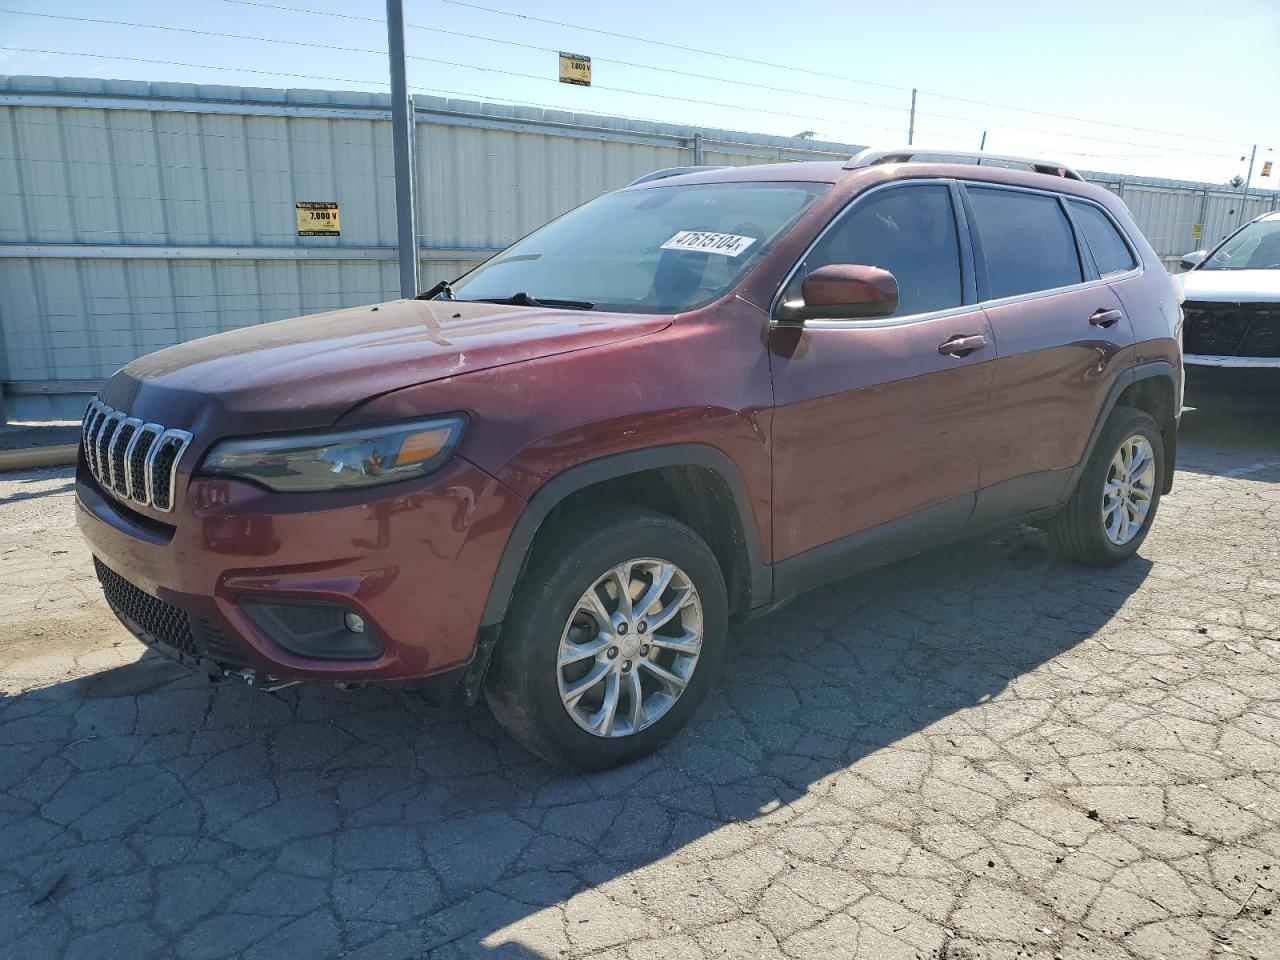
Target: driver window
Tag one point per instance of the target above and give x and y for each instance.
(909, 231)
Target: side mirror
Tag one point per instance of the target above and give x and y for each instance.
(1193, 259)
(844, 291)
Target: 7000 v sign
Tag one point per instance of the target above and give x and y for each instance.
(317, 218)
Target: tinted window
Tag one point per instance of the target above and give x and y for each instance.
(1109, 250)
(909, 231)
(1027, 242)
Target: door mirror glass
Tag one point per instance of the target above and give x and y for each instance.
(844, 291)
(1193, 259)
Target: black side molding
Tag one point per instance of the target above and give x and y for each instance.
(890, 541)
(612, 467)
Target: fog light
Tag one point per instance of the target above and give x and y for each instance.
(319, 630)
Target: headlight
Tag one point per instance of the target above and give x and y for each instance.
(339, 460)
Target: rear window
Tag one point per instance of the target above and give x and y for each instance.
(1110, 252)
(1026, 240)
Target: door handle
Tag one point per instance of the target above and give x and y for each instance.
(961, 345)
(1105, 317)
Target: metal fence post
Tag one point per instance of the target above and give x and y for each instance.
(402, 150)
(697, 149)
(1244, 194)
(1204, 212)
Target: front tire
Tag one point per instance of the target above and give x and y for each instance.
(1112, 508)
(590, 675)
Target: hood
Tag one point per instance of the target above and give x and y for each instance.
(308, 371)
(1231, 286)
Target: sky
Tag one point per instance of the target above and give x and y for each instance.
(1173, 89)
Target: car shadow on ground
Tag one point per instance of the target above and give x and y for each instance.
(191, 820)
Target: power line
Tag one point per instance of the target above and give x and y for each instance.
(452, 33)
(197, 66)
(795, 69)
(196, 31)
(362, 50)
(769, 87)
(447, 63)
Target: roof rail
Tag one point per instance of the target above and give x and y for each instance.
(869, 158)
(670, 172)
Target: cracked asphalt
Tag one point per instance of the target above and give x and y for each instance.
(979, 753)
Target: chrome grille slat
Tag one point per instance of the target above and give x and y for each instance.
(130, 459)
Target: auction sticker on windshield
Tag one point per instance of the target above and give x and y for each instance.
(726, 244)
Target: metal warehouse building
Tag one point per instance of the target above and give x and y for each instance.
(137, 215)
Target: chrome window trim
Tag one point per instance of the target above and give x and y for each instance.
(1124, 237)
(845, 211)
(878, 322)
(978, 304)
(1061, 198)
(1054, 291)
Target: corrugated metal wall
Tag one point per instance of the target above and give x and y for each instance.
(135, 215)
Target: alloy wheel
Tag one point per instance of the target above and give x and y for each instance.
(1128, 490)
(630, 647)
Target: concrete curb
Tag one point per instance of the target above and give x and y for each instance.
(59, 456)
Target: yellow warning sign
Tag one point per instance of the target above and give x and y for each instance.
(1266, 168)
(317, 218)
(575, 68)
(1197, 231)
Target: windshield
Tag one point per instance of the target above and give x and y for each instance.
(1256, 247)
(658, 250)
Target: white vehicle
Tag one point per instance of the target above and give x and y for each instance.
(1232, 310)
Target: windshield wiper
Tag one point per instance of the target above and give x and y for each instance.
(523, 299)
(443, 290)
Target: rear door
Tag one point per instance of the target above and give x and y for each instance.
(1059, 330)
(878, 427)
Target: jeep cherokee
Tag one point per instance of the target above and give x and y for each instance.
(558, 480)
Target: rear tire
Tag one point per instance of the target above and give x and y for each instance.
(1104, 522)
(556, 640)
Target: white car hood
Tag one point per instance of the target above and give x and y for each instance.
(1231, 286)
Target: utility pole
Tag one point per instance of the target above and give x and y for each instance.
(1244, 194)
(402, 151)
(983, 145)
(911, 128)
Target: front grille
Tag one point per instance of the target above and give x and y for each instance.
(133, 460)
(1231, 329)
(162, 620)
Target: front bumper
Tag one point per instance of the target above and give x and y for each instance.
(1208, 377)
(416, 564)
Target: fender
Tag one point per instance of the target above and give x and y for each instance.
(1143, 371)
(612, 467)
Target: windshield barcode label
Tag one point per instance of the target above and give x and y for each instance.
(726, 244)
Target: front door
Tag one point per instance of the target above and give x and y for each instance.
(879, 424)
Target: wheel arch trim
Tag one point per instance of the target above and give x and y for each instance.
(1144, 371)
(612, 467)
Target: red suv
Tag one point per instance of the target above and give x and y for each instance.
(560, 479)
